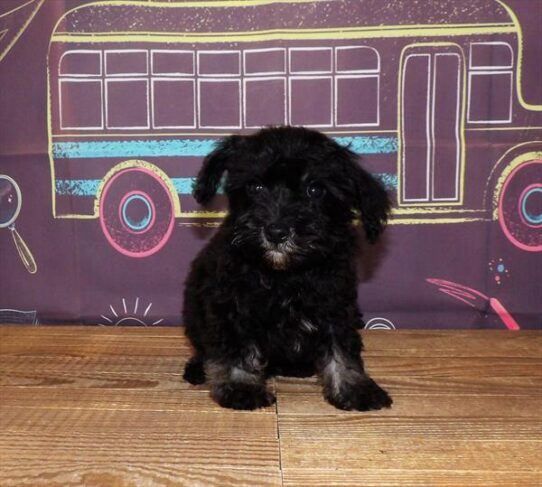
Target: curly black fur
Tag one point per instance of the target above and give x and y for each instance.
(274, 291)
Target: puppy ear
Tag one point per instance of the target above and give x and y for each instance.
(369, 197)
(213, 168)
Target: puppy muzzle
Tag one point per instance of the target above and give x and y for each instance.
(279, 247)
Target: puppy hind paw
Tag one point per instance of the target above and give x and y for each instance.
(364, 396)
(242, 396)
(194, 372)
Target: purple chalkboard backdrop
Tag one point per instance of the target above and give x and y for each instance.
(107, 109)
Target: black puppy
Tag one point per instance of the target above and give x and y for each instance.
(274, 291)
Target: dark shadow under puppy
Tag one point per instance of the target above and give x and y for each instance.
(275, 290)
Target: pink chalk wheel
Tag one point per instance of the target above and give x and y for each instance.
(520, 206)
(136, 212)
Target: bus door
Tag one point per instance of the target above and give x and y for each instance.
(430, 125)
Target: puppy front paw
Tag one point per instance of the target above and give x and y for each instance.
(237, 395)
(194, 372)
(365, 395)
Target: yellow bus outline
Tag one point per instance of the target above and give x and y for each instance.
(519, 67)
(393, 31)
(513, 164)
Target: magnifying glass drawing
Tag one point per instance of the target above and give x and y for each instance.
(10, 206)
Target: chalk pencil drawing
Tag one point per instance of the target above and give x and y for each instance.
(476, 299)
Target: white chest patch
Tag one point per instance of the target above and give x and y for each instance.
(279, 260)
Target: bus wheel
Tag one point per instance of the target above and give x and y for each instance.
(136, 212)
(520, 206)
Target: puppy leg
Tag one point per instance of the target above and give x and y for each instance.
(194, 373)
(346, 385)
(239, 384)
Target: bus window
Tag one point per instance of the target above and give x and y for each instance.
(219, 89)
(310, 60)
(490, 55)
(81, 63)
(311, 95)
(127, 103)
(357, 93)
(357, 59)
(126, 91)
(490, 82)
(264, 94)
(219, 63)
(173, 103)
(311, 101)
(80, 84)
(265, 102)
(126, 63)
(416, 128)
(78, 92)
(265, 61)
(172, 63)
(173, 89)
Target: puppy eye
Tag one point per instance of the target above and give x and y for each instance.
(315, 190)
(256, 188)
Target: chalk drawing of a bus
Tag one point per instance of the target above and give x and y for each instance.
(428, 93)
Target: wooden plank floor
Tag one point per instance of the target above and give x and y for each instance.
(106, 407)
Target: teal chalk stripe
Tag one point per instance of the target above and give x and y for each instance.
(183, 186)
(77, 187)
(390, 181)
(186, 185)
(89, 187)
(371, 144)
(132, 148)
(192, 147)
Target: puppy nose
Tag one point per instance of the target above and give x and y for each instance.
(276, 234)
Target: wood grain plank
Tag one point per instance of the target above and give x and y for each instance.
(372, 426)
(107, 406)
(110, 408)
(394, 452)
(400, 343)
(97, 363)
(439, 343)
(87, 344)
(87, 378)
(376, 477)
(49, 472)
(376, 365)
(429, 405)
(188, 424)
(7, 330)
(176, 401)
(142, 446)
(485, 385)
(384, 365)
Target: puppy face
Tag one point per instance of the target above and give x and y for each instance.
(293, 194)
(282, 210)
